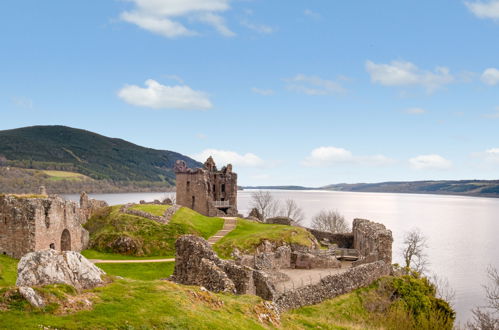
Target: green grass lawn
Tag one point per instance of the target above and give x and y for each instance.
(140, 271)
(205, 226)
(8, 271)
(131, 304)
(249, 234)
(153, 209)
(93, 254)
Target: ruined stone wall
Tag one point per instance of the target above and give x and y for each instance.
(342, 240)
(88, 206)
(373, 241)
(31, 224)
(192, 191)
(332, 286)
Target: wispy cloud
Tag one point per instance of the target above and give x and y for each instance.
(164, 17)
(430, 162)
(493, 115)
(484, 9)
(415, 111)
(400, 73)
(264, 92)
(312, 14)
(314, 85)
(260, 28)
(230, 157)
(22, 102)
(158, 96)
(330, 156)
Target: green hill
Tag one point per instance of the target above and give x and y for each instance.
(74, 150)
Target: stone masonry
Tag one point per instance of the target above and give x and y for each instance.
(373, 241)
(207, 190)
(33, 224)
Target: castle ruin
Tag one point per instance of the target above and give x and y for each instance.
(33, 223)
(207, 190)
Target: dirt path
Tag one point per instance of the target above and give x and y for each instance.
(229, 225)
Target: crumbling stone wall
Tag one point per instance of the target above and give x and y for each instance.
(332, 286)
(373, 241)
(207, 190)
(344, 240)
(197, 264)
(32, 224)
(88, 206)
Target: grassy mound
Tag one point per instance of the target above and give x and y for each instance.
(402, 302)
(249, 234)
(109, 228)
(8, 271)
(130, 304)
(153, 209)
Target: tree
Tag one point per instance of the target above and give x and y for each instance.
(293, 211)
(330, 221)
(413, 251)
(171, 196)
(487, 317)
(265, 203)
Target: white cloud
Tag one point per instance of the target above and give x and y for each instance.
(260, 28)
(162, 16)
(490, 76)
(314, 85)
(159, 96)
(430, 162)
(312, 14)
(223, 157)
(415, 111)
(265, 92)
(400, 73)
(488, 9)
(328, 156)
(488, 157)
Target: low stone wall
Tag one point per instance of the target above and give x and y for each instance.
(332, 286)
(280, 221)
(342, 240)
(373, 241)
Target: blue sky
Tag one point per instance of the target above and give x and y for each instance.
(291, 92)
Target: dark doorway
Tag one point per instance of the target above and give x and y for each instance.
(66, 240)
(52, 246)
(193, 202)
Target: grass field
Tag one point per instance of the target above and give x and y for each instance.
(140, 271)
(205, 226)
(153, 209)
(249, 234)
(64, 175)
(8, 271)
(93, 254)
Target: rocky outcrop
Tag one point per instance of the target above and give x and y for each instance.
(255, 214)
(55, 267)
(197, 264)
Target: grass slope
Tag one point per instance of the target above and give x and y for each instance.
(249, 234)
(149, 237)
(140, 271)
(91, 154)
(8, 271)
(153, 209)
(130, 304)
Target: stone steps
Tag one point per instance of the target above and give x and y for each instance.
(229, 225)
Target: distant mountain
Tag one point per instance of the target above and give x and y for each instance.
(484, 188)
(96, 156)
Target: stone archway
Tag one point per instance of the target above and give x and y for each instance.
(66, 240)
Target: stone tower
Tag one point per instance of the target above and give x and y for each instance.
(207, 190)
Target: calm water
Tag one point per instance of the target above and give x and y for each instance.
(462, 231)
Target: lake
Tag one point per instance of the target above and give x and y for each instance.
(462, 231)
